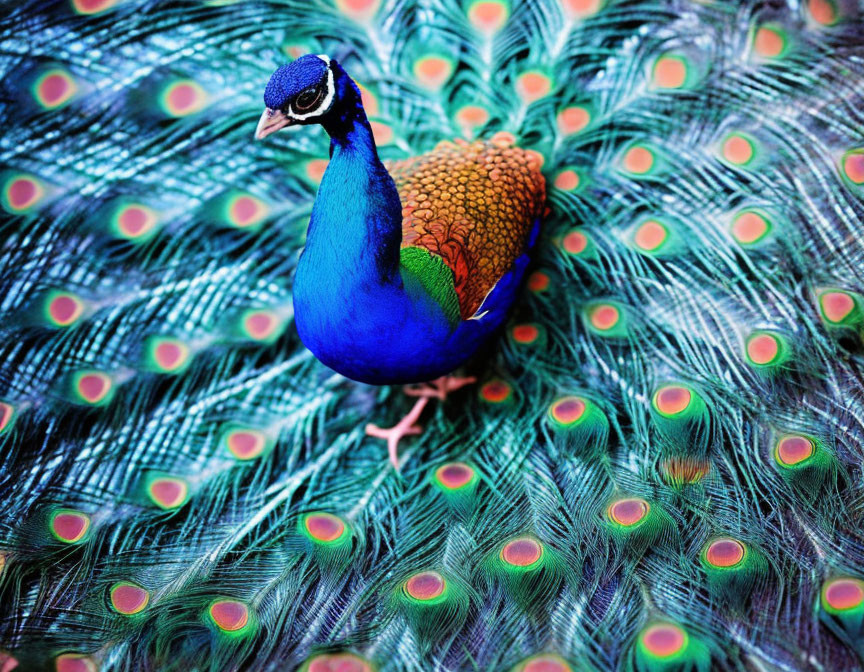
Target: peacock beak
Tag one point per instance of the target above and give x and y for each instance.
(270, 122)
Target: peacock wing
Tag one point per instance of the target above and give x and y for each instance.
(473, 205)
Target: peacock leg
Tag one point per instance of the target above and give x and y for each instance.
(407, 426)
(439, 388)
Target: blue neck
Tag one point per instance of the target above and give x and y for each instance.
(356, 226)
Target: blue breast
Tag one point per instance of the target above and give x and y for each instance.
(355, 308)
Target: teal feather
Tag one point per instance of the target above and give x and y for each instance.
(130, 215)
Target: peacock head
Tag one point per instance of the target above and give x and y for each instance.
(302, 92)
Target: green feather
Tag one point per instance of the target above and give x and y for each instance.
(430, 271)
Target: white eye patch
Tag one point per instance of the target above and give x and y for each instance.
(325, 104)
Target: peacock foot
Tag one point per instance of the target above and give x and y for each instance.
(439, 388)
(407, 426)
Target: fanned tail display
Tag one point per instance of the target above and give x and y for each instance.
(660, 467)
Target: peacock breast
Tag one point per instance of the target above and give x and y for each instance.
(374, 333)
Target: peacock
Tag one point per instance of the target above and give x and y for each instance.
(388, 294)
(619, 242)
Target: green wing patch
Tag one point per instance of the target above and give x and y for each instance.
(434, 276)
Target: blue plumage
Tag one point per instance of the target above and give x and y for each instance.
(289, 80)
(352, 306)
(357, 307)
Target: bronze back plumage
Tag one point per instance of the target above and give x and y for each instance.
(472, 204)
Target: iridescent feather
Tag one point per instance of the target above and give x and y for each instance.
(672, 420)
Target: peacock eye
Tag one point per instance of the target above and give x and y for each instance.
(307, 99)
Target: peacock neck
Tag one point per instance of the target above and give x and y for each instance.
(355, 230)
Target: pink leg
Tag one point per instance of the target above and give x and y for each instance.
(407, 426)
(439, 388)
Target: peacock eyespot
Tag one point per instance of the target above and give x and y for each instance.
(488, 16)
(433, 70)
(337, 662)
(770, 42)
(538, 282)
(663, 640)
(87, 7)
(22, 193)
(496, 391)
(259, 325)
(628, 512)
(844, 594)
(567, 180)
(324, 528)
(793, 450)
(525, 334)
(168, 492)
(315, 169)
(568, 411)
(383, 133)
(455, 475)
(575, 242)
(168, 355)
(359, 10)
(129, 598)
(64, 308)
(725, 553)
(604, 316)
(823, 12)
(134, 221)
(573, 119)
(670, 72)
(471, 116)
(74, 662)
(672, 400)
(183, 98)
(650, 236)
(738, 149)
(425, 586)
(544, 663)
(171, 355)
(763, 349)
(54, 88)
(750, 226)
(93, 387)
(229, 615)
(523, 552)
(245, 211)
(836, 306)
(262, 325)
(369, 100)
(7, 413)
(852, 165)
(532, 86)
(295, 50)
(245, 444)
(638, 160)
(70, 526)
(580, 10)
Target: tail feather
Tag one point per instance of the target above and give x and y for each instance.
(705, 191)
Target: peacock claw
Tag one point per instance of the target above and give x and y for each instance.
(407, 426)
